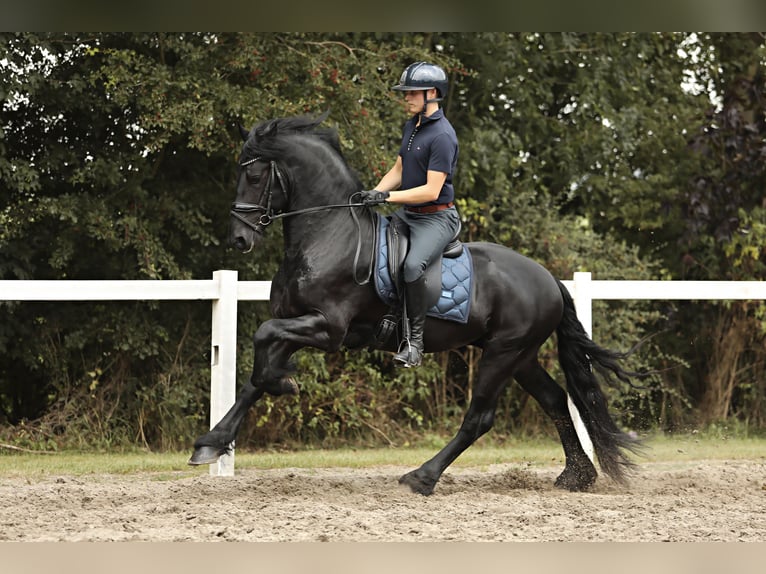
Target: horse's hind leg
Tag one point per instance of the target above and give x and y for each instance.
(494, 370)
(579, 472)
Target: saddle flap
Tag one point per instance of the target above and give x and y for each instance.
(398, 238)
(434, 282)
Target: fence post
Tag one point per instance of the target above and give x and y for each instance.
(223, 360)
(583, 300)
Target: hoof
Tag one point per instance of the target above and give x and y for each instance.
(418, 482)
(289, 386)
(285, 386)
(206, 455)
(576, 480)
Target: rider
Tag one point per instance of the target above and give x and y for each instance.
(421, 179)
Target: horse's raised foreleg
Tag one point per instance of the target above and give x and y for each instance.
(579, 472)
(274, 343)
(493, 375)
(278, 339)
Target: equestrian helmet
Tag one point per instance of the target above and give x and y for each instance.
(424, 76)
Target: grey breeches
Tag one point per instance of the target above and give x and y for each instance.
(429, 235)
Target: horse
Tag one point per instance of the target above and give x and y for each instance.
(292, 169)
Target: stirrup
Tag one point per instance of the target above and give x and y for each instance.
(409, 356)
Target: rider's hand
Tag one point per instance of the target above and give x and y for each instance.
(373, 197)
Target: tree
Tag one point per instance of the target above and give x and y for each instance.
(724, 233)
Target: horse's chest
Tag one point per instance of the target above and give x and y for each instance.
(294, 294)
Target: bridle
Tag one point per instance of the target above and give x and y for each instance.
(240, 209)
(268, 216)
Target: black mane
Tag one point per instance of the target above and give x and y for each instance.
(267, 138)
(273, 139)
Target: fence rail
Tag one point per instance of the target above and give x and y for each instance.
(225, 291)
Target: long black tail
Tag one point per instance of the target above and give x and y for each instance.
(582, 360)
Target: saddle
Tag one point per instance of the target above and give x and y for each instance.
(448, 278)
(398, 239)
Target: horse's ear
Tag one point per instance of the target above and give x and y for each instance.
(243, 132)
(267, 129)
(322, 117)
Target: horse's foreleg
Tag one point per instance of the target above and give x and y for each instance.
(579, 472)
(278, 339)
(212, 445)
(274, 343)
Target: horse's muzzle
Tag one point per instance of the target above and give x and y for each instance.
(241, 243)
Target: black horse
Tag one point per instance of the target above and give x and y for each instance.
(291, 169)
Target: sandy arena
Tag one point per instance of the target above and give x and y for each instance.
(679, 501)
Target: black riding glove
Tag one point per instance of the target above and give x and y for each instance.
(373, 197)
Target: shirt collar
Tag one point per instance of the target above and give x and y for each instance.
(437, 115)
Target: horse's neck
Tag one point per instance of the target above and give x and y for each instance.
(328, 233)
(331, 233)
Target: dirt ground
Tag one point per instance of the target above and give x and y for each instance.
(684, 502)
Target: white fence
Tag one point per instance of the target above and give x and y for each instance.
(225, 291)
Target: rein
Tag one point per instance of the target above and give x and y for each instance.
(268, 216)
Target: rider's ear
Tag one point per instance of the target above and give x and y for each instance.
(243, 132)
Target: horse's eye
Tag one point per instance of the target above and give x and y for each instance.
(253, 176)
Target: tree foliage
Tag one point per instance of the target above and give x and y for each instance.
(629, 155)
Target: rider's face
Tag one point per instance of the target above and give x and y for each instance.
(414, 100)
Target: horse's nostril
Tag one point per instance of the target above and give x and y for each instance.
(240, 243)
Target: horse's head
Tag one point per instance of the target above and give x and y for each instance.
(261, 191)
(286, 164)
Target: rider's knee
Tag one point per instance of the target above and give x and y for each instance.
(413, 271)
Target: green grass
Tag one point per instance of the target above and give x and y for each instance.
(536, 452)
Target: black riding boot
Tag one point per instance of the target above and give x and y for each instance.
(411, 350)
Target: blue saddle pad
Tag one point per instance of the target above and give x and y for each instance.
(457, 274)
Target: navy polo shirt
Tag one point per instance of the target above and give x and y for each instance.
(430, 146)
